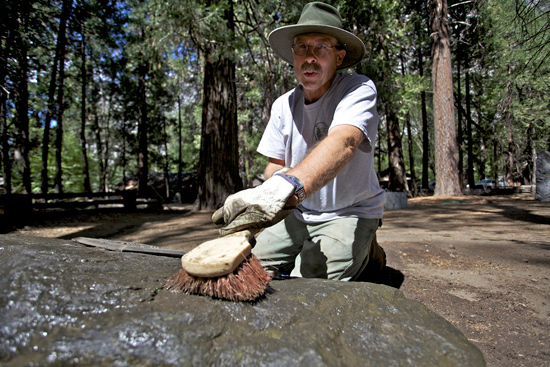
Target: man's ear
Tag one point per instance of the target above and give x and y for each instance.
(341, 55)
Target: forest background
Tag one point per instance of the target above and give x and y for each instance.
(94, 92)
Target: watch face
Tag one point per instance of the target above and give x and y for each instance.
(299, 190)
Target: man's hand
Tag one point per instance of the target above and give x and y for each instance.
(256, 208)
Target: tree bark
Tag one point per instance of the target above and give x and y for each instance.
(510, 162)
(397, 175)
(83, 116)
(533, 158)
(143, 154)
(62, 40)
(470, 146)
(494, 167)
(446, 149)
(51, 110)
(21, 94)
(460, 133)
(98, 140)
(166, 161)
(425, 129)
(7, 33)
(180, 148)
(219, 158)
(413, 186)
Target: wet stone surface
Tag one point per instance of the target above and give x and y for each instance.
(65, 304)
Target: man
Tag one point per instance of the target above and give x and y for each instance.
(319, 141)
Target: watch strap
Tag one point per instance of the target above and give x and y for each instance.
(298, 186)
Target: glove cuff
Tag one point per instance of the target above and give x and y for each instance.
(298, 186)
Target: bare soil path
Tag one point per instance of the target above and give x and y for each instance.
(482, 263)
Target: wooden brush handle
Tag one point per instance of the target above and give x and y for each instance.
(219, 257)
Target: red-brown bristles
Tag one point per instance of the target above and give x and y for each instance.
(247, 282)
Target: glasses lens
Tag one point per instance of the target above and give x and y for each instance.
(300, 49)
(319, 50)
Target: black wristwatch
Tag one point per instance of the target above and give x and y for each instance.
(298, 186)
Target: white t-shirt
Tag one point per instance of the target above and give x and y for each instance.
(295, 128)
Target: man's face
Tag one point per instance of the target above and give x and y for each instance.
(313, 70)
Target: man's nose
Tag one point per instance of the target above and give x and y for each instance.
(310, 55)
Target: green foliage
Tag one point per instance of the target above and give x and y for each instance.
(510, 85)
(519, 89)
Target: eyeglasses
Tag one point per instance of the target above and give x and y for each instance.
(320, 50)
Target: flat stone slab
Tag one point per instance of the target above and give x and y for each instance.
(65, 304)
(395, 200)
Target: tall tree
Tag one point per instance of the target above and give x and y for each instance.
(7, 34)
(413, 183)
(219, 163)
(423, 109)
(51, 107)
(396, 174)
(469, 128)
(446, 149)
(21, 92)
(60, 110)
(82, 15)
(143, 152)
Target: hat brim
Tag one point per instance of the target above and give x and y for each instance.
(281, 40)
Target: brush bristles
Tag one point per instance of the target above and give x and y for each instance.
(247, 282)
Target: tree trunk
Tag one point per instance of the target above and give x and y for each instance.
(58, 188)
(446, 150)
(397, 175)
(425, 129)
(460, 133)
(510, 153)
(413, 187)
(180, 148)
(166, 162)
(50, 112)
(83, 116)
(21, 94)
(106, 126)
(143, 154)
(123, 155)
(379, 153)
(5, 150)
(494, 168)
(7, 34)
(99, 148)
(219, 158)
(482, 157)
(533, 158)
(62, 39)
(470, 147)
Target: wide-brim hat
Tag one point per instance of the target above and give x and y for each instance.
(318, 17)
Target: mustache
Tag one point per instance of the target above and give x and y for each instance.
(310, 67)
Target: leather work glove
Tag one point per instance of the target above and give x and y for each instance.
(256, 208)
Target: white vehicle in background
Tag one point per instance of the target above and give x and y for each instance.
(488, 184)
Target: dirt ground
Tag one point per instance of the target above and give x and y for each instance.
(480, 262)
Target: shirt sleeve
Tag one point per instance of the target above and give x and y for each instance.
(358, 108)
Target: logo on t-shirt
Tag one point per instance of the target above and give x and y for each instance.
(320, 131)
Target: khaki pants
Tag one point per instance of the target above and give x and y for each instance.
(339, 249)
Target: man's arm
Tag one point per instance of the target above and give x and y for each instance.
(324, 161)
(272, 201)
(272, 166)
